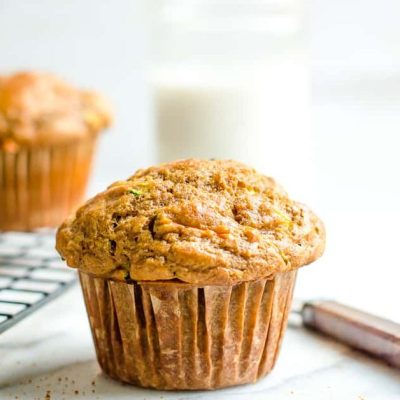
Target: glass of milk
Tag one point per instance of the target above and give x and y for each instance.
(229, 81)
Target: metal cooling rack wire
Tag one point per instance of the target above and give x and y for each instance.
(31, 275)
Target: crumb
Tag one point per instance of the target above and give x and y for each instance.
(76, 392)
(48, 395)
(59, 379)
(72, 381)
(291, 392)
(93, 391)
(29, 380)
(93, 383)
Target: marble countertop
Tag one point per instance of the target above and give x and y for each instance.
(50, 355)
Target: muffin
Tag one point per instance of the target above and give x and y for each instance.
(48, 132)
(187, 271)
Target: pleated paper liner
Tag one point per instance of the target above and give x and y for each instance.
(40, 186)
(168, 335)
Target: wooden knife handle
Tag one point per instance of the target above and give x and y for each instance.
(376, 336)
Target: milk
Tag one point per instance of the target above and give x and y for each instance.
(229, 80)
(257, 115)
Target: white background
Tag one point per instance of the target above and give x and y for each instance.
(354, 56)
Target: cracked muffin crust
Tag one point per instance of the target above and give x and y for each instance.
(197, 221)
(39, 108)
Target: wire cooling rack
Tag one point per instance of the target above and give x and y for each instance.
(31, 275)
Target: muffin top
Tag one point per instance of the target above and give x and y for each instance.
(197, 221)
(39, 108)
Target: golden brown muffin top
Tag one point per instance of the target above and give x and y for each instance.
(198, 221)
(39, 108)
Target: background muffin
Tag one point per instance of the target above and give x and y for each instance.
(188, 270)
(48, 131)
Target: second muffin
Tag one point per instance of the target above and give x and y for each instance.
(187, 270)
(48, 132)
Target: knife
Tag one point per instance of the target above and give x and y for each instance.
(373, 335)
